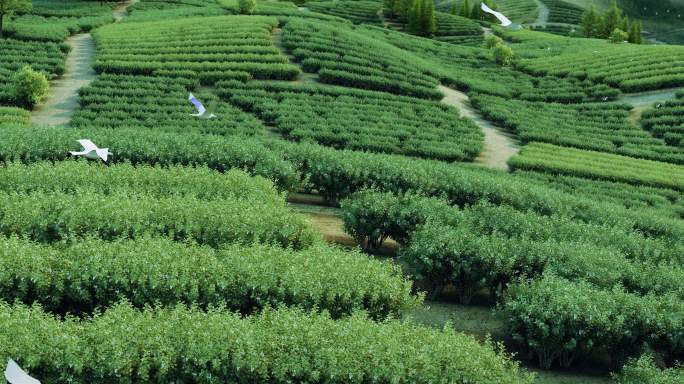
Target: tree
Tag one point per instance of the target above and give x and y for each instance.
(428, 20)
(503, 54)
(27, 87)
(415, 16)
(618, 36)
(465, 9)
(492, 40)
(453, 9)
(624, 24)
(247, 7)
(635, 32)
(591, 22)
(611, 19)
(9, 7)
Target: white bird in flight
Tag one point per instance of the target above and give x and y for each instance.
(200, 108)
(15, 375)
(91, 151)
(500, 16)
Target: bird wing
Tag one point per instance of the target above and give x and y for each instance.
(200, 108)
(15, 375)
(87, 145)
(500, 16)
(103, 153)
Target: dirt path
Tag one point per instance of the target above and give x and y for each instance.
(643, 101)
(498, 145)
(543, 17)
(63, 97)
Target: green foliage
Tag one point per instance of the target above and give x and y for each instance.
(341, 56)
(618, 36)
(278, 346)
(49, 58)
(635, 33)
(563, 11)
(561, 321)
(644, 371)
(247, 7)
(12, 115)
(9, 7)
(666, 121)
(28, 87)
(577, 162)
(357, 119)
(611, 20)
(160, 104)
(54, 217)
(465, 9)
(121, 50)
(573, 124)
(75, 177)
(591, 22)
(371, 217)
(364, 11)
(30, 144)
(503, 54)
(492, 41)
(94, 274)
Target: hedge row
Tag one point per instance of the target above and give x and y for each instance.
(337, 174)
(30, 144)
(562, 320)
(83, 176)
(645, 371)
(94, 274)
(177, 344)
(54, 217)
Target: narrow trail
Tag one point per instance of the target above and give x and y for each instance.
(643, 101)
(543, 17)
(62, 99)
(498, 145)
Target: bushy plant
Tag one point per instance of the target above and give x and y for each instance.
(618, 36)
(247, 7)
(28, 87)
(503, 54)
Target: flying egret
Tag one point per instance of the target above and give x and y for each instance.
(91, 151)
(200, 108)
(500, 16)
(15, 375)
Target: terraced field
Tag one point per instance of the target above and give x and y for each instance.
(466, 198)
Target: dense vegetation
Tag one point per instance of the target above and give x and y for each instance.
(361, 120)
(181, 261)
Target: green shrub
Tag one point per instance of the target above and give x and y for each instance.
(247, 7)
(371, 217)
(54, 217)
(503, 54)
(28, 87)
(644, 371)
(618, 36)
(140, 146)
(94, 274)
(275, 346)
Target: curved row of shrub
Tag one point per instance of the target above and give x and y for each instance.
(156, 181)
(92, 274)
(275, 346)
(139, 48)
(141, 146)
(54, 217)
(597, 165)
(360, 120)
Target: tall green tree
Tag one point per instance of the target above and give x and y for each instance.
(428, 19)
(415, 15)
(611, 19)
(624, 24)
(465, 9)
(8, 7)
(591, 22)
(635, 32)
